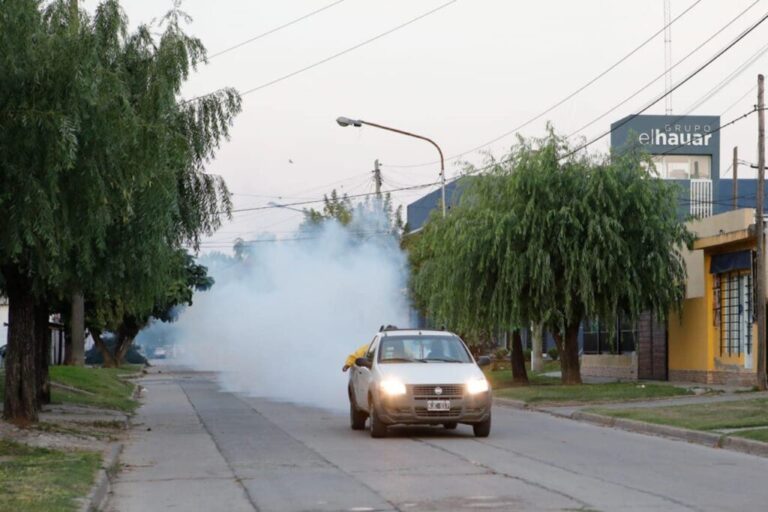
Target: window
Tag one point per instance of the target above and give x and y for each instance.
(735, 292)
(683, 167)
(598, 338)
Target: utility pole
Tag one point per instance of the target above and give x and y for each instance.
(735, 183)
(760, 285)
(377, 177)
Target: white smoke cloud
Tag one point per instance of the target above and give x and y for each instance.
(280, 323)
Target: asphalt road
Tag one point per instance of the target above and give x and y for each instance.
(198, 448)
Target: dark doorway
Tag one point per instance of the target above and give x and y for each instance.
(651, 348)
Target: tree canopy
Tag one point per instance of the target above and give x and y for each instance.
(102, 177)
(545, 239)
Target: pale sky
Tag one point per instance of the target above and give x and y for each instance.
(462, 76)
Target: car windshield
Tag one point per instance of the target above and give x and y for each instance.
(423, 349)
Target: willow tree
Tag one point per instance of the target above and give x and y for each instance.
(552, 238)
(101, 164)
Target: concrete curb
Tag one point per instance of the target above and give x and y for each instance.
(97, 498)
(709, 439)
(508, 402)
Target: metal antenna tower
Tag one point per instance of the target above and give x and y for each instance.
(668, 56)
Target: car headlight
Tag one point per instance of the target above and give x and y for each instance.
(476, 386)
(393, 387)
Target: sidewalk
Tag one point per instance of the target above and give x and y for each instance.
(170, 460)
(714, 438)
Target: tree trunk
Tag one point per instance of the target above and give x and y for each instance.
(42, 354)
(123, 344)
(76, 354)
(537, 348)
(109, 359)
(20, 403)
(67, 348)
(519, 375)
(568, 348)
(125, 335)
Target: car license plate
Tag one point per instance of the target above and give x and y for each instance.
(438, 405)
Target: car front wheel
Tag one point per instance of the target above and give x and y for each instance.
(356, 416)
(378, 427)
(482, 429)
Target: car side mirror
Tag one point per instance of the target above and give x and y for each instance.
(363, 362)
(483, 361)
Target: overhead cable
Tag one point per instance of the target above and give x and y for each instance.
(564, 99)
(276, 29)
(335, 55)
(673, 88)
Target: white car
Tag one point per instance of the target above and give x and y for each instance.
(419, 377)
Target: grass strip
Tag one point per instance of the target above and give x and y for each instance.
(34, 479)
(758, 434)
(551, 391)
(107, 388)
(103, 387)
(705, 416)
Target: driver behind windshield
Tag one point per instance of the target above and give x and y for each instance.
(436, 350)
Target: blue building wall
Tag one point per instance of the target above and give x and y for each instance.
(418, 211)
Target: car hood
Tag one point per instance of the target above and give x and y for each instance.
(431, 373)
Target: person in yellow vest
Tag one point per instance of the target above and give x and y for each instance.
(351, 358)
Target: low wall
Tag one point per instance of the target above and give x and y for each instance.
(732, 378)
(616, 366)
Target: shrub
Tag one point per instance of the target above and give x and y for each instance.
(553, 353)
(501, 353)
(500, 356)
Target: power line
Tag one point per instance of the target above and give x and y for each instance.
(658, 77)
(681, 200)
(727, 80)
(750, 91)
(674, 88)
(565, 99)
(276, 29)
(367, 234)
(348, 50)
(353, 196)
(335, 55)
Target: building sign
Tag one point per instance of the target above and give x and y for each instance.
(671, 135)
(674, 136)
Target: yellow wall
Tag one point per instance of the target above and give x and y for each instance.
(688, 337)
(694, 339)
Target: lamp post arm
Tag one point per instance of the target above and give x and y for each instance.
(427, 139)
(403, 132)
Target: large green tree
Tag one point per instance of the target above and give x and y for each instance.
(552, 238)
(101, 164)
(117, 315)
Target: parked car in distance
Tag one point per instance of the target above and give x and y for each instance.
(411, 377)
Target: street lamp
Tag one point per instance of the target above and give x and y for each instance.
(345, 121)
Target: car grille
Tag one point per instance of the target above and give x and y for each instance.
(424, 391)
(424, 413)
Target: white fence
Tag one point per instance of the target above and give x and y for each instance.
(701, 198)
